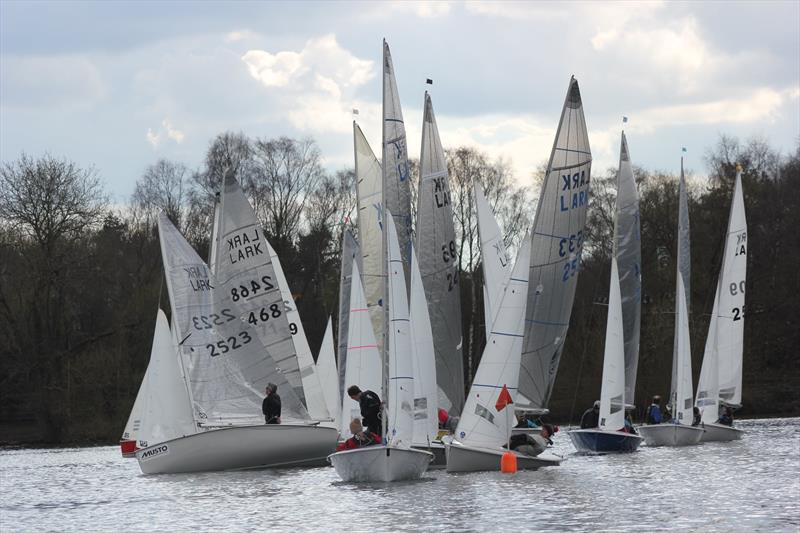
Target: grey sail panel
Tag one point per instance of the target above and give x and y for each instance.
(684, 268)
(350, 251)
(628, 253)
(226, 365)
(246, 279)
(438, 261)
(396, 172)
(556, 246)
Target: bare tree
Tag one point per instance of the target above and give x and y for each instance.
(163, 187)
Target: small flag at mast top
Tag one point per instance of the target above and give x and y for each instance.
(429, 81)
(683, 149)
(624, 120)
(355, 111)
(503, 400)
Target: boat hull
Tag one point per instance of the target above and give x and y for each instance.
(602, 441)
(461, 458)
(671, 434)
(439, 456)
(239, 448)
(380, 464)
(720, 433)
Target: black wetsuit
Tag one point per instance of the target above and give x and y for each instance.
(271, 407)
(370, 405)
(590, 419)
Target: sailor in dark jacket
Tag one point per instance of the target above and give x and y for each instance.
(591, 416)
(271, 406)
(370, 405)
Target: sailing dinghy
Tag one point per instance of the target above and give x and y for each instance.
(483, 430)
(394, 459)
(721, 375)
(679, 431)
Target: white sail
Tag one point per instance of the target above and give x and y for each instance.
(167, 413)
(494, 258)
(245, 278)
(557, 242)
(212, 254)
(350, 252)
(396, 172)
(369, 186)
(133, 426)
(683, 407)
(328, 375)
(721, 374)
(400, 393)
(223, 360)
(685, 269)
(439, 261)
(426, 426)
(481, 424)
(312, 388)
(612, 405)
(364, 365)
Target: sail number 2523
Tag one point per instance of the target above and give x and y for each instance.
(226, 345)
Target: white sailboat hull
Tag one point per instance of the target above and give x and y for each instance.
(380, 464)
(671, 434)
(437, 448)
(720, 433)
(239, 448)
(461, 458)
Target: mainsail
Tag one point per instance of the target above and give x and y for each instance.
(224, 361)
(426, 405)
(612, 407)
(439, 261)
(494, 258)
(557, 242)
(350, 252)
(682, 406)
(628, 253)
(721, 374)
(369, 186)
(396, 172)
(684, 269)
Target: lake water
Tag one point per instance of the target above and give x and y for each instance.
(752, 484)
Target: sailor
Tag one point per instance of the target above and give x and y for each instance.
(591, 417)
(271, 406)
(447, 422)
(370, 404)
(360, 437)
(696, 416)
(533, 444)
(726, 416)
(654, 411)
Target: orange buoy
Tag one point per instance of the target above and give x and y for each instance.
(508, 463)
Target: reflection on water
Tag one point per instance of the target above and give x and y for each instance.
(745, 485)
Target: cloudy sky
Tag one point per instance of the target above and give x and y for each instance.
(119, 84)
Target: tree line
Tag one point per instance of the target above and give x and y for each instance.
(80, 280)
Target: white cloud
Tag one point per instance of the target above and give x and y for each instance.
(316, 85)
(420, 9)
(519, 10)
(165, 131)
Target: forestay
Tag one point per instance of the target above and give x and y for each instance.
(369, 187)
(312, 388)
(426, 426)
(400, 392)
(396, 172)
(628, 252)
(721, 374)
(481, 424)
(364, 364)
(224, 361)
(494, 258)
(246, 279)
(328, 376)
(683, 407)
(685, 269)
(438, 261)
(612, 407)
(350, 252)
(557, 243)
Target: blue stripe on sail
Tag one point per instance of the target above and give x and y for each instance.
(402, 377)
(547, 323)
(518, 279)
(393, 120)
(492, 386)
(505, 334)
(400, 320)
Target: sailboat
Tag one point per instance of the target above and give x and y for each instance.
(679, 432)
(495, 263)
(622, 328)
(161, 411)
(226, 366)
(350, 253)
(439, 261)
(721, 374)
(608, 436)
(483, 430)
(328, 376)
(394, 459)
(557, 243)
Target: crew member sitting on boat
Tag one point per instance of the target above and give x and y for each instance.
(696, 416)
(360, 437)
(533, 444)
(370, 404)
(628, 428)
(271, 406)
(726, 416)
(654, 411)
(447, 422)
(591, 417)
(525, 421)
